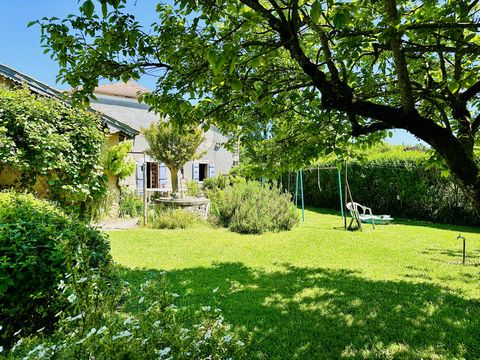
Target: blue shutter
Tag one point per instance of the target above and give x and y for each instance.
(196, 171)
(211, 170)
(162, 176)
(139, 178)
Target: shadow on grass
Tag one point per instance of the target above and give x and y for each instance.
(401, 221)
(454, 257)
(316, 313)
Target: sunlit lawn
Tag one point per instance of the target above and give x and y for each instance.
(316, 292)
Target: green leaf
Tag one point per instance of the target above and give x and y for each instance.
(453, 87)
(340, 19)
(315, 11)
(104, 8)
(232, 67)
(237, 84)
(88, 8)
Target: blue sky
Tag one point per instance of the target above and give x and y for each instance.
(21, 45)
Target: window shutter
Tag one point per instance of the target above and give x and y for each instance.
(211, 170)
(162, 176)
(196, 171)
(139, 178)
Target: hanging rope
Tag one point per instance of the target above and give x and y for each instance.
(318, 179)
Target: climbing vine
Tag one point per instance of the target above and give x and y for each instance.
(43, 140)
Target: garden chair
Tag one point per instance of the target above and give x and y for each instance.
(362, 214)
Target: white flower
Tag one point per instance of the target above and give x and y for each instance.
(121, 334)
(1, 349)
(208, 334)
(1, 327)
(91, 332)
(127, 321)
(175, 295)
(206, 308)
(215, 290)
(141, 300)
(240, 343)
(82, 280)
(72, 297)
(164, 351)
(227, 338)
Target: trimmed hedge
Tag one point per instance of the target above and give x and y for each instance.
(400, 188)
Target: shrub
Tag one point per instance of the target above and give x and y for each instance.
(131, 205)
(48, 142)
(193, 188)
(220, 182)
(99, 326)
(248, 207)
(170, 218)
(38, 242)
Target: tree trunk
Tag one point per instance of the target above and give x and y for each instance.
(174, 177)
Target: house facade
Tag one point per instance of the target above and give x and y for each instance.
(119, 101)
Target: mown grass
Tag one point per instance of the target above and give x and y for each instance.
(317, 292)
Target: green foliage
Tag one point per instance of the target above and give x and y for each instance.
(297, 80)
(116, 162)
(220, 182)
(193, 188)
(97, 323)
(392, 185)
(39, 243)
(250, 208)
(131, 205)
(172, 146)
(169, 218)
(45, 139)
(104, 206)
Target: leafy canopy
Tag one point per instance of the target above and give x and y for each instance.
(297, 78)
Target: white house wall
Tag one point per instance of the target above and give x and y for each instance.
(136, 115)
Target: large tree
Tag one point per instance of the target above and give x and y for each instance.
(309, 73)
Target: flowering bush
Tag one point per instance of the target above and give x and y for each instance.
(95, 326)
(38, 243)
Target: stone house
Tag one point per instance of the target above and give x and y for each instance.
(119, 101)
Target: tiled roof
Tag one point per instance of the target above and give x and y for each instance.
(130, 89)
(44, 90)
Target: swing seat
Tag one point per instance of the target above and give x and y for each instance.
(364, 214)
(376, 219)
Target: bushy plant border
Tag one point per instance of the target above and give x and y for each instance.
(398, 187)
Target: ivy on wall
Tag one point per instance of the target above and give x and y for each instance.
(43, 139)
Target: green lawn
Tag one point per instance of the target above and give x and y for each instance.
(317, 292)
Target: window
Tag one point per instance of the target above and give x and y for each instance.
(203, 172)
(152, 175)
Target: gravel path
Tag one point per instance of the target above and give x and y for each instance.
(118, 224)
